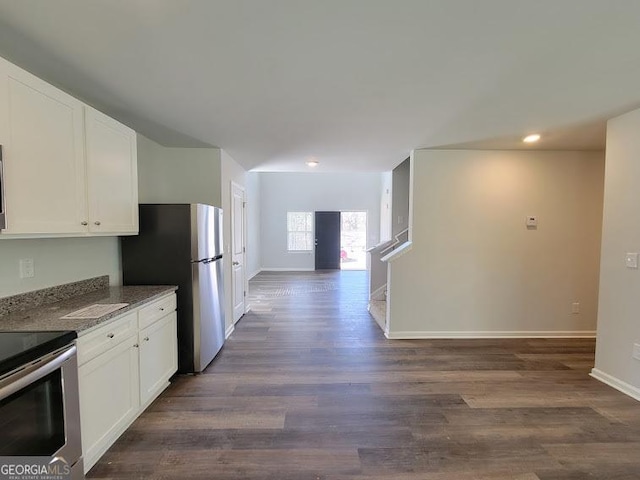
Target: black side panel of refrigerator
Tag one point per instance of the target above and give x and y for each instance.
(161, 255)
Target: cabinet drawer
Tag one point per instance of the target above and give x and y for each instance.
(156, 310)
(104, 338)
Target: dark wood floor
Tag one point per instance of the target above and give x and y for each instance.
(308, 388)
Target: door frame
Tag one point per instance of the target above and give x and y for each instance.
(237, 187)
(366, 231)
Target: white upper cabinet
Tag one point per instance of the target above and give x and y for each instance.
(44, 168)
(111, 174)
(69, 170)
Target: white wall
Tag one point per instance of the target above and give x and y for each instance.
(178, 175)
(253, 223)
(385, 205)
(231, 172)
(401, 180)
(619, 309)
(475, 269)
(309, 192)
(58, 261)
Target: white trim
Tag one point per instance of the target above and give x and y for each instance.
(381, 246)
(229, 331)
(249, 277)
(287, 269)
(411, 177)
(398, 252)
(621, 386)
(378, 293)
(380, 322)
(491, 334)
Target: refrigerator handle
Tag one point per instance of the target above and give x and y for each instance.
(208, 260)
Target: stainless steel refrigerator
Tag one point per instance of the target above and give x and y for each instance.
(181, 244)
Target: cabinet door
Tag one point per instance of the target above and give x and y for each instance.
(158, 356)
(4, 103)
(112, 175)
(109, 398)
(43, 156)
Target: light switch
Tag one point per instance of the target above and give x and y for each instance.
(631, 260)
(532, 221)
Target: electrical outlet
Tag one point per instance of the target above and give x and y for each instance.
(27, 269)
(575, 307)
(636, 351)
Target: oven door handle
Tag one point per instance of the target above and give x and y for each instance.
(34, 372)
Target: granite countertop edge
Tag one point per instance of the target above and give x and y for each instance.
(47, 317)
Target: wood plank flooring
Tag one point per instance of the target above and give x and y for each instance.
(307, 387)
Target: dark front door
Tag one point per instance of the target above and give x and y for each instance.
(327, 240)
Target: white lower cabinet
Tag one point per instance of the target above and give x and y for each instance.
(158, 356)
(122, 369)
(109, 398)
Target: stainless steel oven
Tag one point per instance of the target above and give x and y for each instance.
(39, 409)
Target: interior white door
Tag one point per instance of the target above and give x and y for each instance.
(237, 250)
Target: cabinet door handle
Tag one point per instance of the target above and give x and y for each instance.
(135, 345)
(110, 335)
(96, 223)
(161, 309)
(146, 339)
(84, 223)
(235, 263)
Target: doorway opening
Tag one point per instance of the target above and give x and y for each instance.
(353, 240)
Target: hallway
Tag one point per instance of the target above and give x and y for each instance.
(307, 387)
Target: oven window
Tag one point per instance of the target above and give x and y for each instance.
(32, 419)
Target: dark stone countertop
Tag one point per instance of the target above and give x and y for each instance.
(47, 317)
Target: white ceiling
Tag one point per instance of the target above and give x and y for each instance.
(355, 83)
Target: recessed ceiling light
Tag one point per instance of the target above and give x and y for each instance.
(312, 163)
(533, 138)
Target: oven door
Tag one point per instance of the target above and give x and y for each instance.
(39, 409)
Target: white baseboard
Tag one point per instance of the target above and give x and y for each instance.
(229, 331)
(378, 293)
(616, 383)
(278, 269)
(490, 334)
(251, 275)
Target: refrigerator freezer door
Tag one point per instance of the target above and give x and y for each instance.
(206, 228)
(208, 312)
